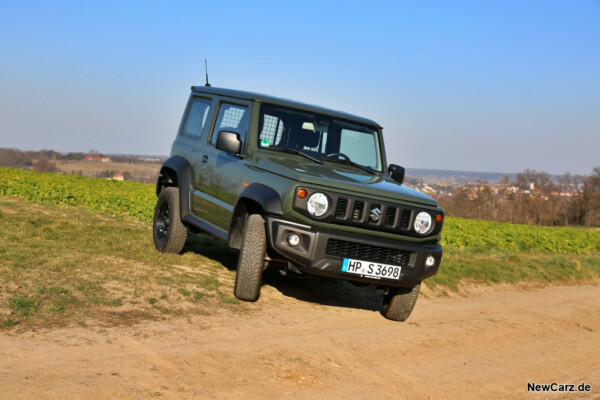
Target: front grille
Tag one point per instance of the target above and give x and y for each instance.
(351, 211)
(405, 219)
(390, 216)
(361, 212)
(340, 210)
(358, 210)
(367, 252)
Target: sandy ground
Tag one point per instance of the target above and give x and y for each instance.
(487, 344)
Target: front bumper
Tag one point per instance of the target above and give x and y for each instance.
(322, 250)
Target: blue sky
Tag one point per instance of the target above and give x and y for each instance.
(465, 85)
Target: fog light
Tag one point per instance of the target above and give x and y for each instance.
(294, 239)
(430, 262)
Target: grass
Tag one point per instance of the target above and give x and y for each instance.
(499, 265)
(62, 265)
(66, 265)
(491, 235)
(130, 200)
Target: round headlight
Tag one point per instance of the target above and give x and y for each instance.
(422, 223)
(317, 204)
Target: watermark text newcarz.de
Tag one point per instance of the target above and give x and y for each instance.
(558, 387)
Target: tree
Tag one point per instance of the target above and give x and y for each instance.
(49, 154)
(43, 165)
(505, 180)
(592, 184)
(14, 158)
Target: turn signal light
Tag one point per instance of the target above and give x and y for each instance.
(301, 193)
(438, 218)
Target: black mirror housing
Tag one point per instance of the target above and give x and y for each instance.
(396, 173)
(229, 141)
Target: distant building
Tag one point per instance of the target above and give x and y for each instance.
(101, 159)
(118, 177)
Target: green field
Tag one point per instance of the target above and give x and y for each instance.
(75, 249)
(137, 200)
(104, 196)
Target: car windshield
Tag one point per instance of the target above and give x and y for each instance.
(319, 136)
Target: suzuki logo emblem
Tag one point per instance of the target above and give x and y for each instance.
(375, 214)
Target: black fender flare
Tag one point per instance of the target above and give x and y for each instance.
(178, 170)
(265, 196)
(256, 198)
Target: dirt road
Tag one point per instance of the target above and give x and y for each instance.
(487, 344)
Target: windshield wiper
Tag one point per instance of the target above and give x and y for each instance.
(294, 151)
(348, 162)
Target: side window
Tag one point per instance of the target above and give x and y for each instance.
(233, 118)
(271, 132)
(196, 119)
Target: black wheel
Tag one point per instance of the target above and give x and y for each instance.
(251, 262)
(398, 303)
(168, 231)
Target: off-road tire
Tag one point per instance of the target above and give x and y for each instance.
(398, 303)
(168, 231)
(251, 261)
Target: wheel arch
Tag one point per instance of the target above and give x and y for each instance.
(257, 198)
(177, 172)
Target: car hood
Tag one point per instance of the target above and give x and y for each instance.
(339, 177)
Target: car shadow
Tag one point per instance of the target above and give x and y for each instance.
(206, 246)
(311, 289)
(325, 291)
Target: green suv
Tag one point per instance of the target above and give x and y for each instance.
(299, 186)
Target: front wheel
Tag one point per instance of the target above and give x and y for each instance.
(251, 262)
(398, 303)
(168, 231)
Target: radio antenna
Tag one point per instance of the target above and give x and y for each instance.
(206, 69)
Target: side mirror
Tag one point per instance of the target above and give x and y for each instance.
(229, 141)
(396, 173)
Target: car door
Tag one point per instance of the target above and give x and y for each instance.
(218, 179)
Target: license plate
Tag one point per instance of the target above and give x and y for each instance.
(371, 269)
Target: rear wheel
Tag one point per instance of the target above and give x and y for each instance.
(398, 303)
(168, 231)
(251, 262)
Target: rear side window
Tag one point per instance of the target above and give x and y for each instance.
(196, 119)
(232, 118)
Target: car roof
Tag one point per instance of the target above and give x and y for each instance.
(263, 98)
